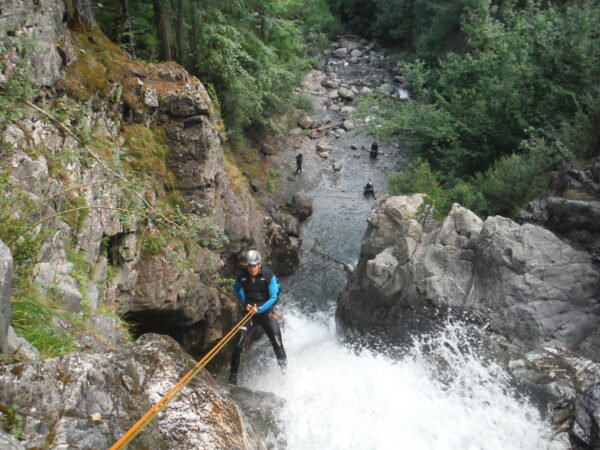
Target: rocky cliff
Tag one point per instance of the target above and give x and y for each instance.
(117, 199)
(117, 166)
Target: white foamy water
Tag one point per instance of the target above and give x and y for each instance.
(338, 398)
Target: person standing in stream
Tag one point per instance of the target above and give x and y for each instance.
(298, 164)
(256, 287)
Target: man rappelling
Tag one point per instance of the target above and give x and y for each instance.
(256, 287)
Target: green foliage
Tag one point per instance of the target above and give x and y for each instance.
(24, 246)
(32, 319)
(250, 53)
(17, 87)
(501, 116)
(12, 422)
(505, 188)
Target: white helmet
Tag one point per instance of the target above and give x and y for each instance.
(253, 257)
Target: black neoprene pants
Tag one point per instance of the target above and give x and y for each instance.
(271, 327)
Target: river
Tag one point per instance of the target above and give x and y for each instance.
(336, 396)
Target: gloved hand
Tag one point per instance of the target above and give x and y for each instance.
(250, 308)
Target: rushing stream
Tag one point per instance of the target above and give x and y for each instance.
(337, 397)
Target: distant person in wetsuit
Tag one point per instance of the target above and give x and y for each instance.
(257, 287)
(298, 164)
(374, 150)
(369, 190)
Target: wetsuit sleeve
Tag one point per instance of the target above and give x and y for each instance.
(273, 291)
(239, 292)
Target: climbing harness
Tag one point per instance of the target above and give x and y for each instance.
(164, 401)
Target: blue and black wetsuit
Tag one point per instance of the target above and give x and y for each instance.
(261, 291)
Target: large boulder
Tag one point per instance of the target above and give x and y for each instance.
(90, 401)
(5, 291)
(522, 281)
(301, 205)
(571, 207)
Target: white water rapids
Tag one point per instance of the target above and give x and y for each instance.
(338, 398)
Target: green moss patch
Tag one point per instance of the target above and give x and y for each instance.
(148, 152)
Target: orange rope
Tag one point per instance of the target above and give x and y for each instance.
(152, 412)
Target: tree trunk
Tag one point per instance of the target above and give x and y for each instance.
(128, 28)
(80, 13)
(179, 31)
(193, 38)
(163, 28)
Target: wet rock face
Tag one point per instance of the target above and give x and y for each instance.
(571, 207)
(91, 400)
(568, 386)
(5, 289)
(521, 280)
(42, 22)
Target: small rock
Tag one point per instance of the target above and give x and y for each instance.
(348, 110)
(366, 91)
(341, 53)
(305, 122)
(330, 84)
(255, 185)
(316, 124)
(346, 94)
(324, 155)
(348, 125)
(337, 166)
(354, 147)
(323, 147)
(356, 53)
(333, 95)
(386, 89)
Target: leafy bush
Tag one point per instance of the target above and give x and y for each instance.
(502, 115)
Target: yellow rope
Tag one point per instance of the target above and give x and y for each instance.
(152, 412)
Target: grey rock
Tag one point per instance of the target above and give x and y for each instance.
(301, 205)
(323, 147)
(365, 90)
(305, 122)
(567, 215)
(316, 124)
(21, 347)
(255, 185)
(6, 275)
(331, 84)
(340, 53)
(528, 285)
(120, 386)
(333, 95)
(356, 53)
(337, 166)
(348, 125)
(290, 224)
(42, 22)
(348, 110)
(569, 386)
(9, 442)
(386, 89)
(346, 94)
(325, 155)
